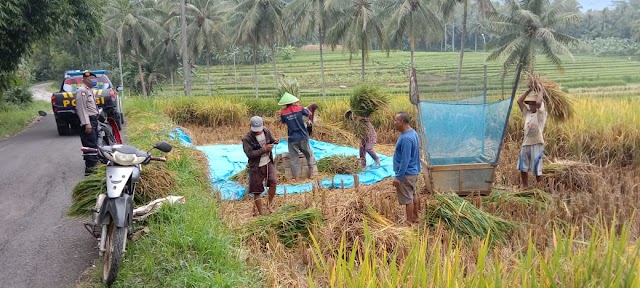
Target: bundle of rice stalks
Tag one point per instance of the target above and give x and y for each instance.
(289, 223)
(334, 133)
(527, 198)
(573, 176)
(84, 194)
(367, 99)
(339, 164)
(465, 219)
(289, 85)
(558, 103)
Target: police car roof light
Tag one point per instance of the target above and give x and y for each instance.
(97, 72)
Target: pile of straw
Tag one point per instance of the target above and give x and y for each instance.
(339, 164)
(289, 223)
(466, 220)
(348, 224)
(558, 103)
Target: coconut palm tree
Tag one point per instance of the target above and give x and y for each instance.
(415, 18)
(135, 22)
(306, 17)
(205, 24)
(357, 24)
(258, 22)
(526, 28)
(448, 7)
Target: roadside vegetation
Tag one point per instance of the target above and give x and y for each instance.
(17, 110)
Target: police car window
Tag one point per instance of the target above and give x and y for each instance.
(72, 84)
(103, 83)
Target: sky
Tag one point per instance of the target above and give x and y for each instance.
(594, 4)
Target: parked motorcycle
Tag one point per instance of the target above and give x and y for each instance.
(113, 213)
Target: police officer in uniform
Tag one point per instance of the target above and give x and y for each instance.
(88, 113)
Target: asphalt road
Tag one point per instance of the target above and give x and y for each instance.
(41, 91)
(39, 245)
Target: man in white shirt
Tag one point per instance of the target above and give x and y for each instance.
(535, 117)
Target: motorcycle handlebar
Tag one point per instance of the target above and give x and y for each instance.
(89, 150)
(94, 150)
(161, 159)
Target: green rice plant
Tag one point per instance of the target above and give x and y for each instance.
(606, 258)
(207, 111)
(465, 219)
(264, 107)
(339, 164)
(290, 223)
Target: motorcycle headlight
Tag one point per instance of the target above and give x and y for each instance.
(126, 159)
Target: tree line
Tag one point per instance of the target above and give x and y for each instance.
(147, 38)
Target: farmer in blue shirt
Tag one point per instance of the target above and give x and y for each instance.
(297, 133)
(406, 165)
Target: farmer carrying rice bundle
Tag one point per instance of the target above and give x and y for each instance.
(298, 136)
(535, 118)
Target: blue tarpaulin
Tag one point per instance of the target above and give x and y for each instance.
(227, 160)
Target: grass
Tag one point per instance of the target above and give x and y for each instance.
(14, 119)
(188, 245)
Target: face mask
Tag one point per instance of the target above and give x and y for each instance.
(94, 82)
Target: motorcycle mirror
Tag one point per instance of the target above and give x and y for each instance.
(42, 113)
(163, 146)
(119, 88)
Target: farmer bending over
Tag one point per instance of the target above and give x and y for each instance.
(297, 133)
(258, 144)
(406, 165)
(535, 117)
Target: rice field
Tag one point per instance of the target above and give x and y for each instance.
(579, 229)
(436, 71)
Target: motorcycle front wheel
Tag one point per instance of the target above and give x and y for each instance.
(114, 245)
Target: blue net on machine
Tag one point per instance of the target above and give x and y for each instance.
(466, 127)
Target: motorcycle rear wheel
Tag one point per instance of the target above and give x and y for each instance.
(113, 253)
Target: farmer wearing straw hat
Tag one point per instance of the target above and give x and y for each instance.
(535, 117)
(258, 146)
(292, 116)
